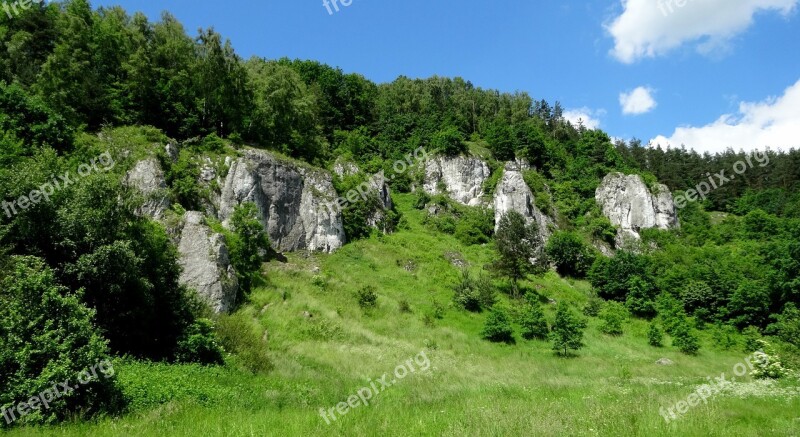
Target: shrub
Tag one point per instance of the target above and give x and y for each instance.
(767, 365)
(366, 296)
(449, 141)
(534, 323)
(404, 306)
(655, 336)
(47, 335)
(593, 306)
(498, 326)
(474, 295)
(725, 336)
(570, 254)
(752, 335)
(787, 324)
(686, 340)
(613, 318)
(199, 344)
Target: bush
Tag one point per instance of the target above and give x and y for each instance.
(498, 327)
(570, 254)
(199, 344)
(534, 323)
(752, 335)
(366, 296)
(767, 365)
(686, 340)
(593, 307)
(47, 335)
(655, 336)
(449, 141)
(613, 317)
(474, 295)
(787, 325)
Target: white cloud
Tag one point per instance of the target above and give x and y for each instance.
(772, 123)
(589, 118)
(649, 28)
(638, 101)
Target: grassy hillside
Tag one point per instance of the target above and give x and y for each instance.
(471, 387)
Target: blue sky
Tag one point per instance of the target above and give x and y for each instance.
(721, 72)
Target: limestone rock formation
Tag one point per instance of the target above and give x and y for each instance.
(629, 204)
(296, 203)
(461, 176)
(513, 194)
(147, 177)
(206, 264)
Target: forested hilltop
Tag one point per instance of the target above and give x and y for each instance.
(86, 276)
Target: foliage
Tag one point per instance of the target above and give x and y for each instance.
(498, 326)
(474, 294)
(367, 297)
(567, 332)
(519, 248)
(655, 336)
(47, 335)
(766, 364)
(686, 339)
(613, 317)
(570, 254)
(787, 324)
(199, 344)
(533, 322)
(248, 246)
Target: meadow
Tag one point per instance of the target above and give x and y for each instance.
(322, 347)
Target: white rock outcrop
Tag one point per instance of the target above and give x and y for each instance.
(513, 194)
(293, 201)
(627, 202)
(206, 264)
(461, 176)
(147, 177)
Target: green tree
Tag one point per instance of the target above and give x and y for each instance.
(520, 248)
(570, 254)
(449, 141)
(686, 339)
(498, 326)
(48, 335)
(613, 317)
(250, 244)
(284, 114)
(567, 333)
(533, 322)
(655, 336)
(787, 324)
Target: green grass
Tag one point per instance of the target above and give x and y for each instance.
(473, 387)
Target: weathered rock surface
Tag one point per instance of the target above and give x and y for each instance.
(462, 177)
(148, 178)
(513, 194)
(629, 204)
(295, 203)
(206, 264)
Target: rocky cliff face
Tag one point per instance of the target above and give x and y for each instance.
(148, 178)
(461, 176)
(293, 201)
(513, 194)
(629, 204)
(206, 265)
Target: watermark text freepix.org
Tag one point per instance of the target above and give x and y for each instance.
(12, 208)
(55, 392)
(718, 180)
(367, 393)
(707, 391)
(14, 8)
